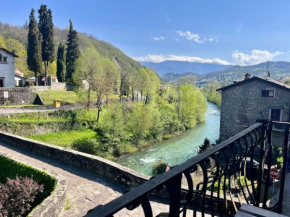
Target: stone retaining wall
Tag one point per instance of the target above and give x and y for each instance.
(54, 86)
(17, 96)
(54, 204)
(94, 164)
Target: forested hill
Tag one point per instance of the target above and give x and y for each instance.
(278, 70)
(181, 67)
(60, 35)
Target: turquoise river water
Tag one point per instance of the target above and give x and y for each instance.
(178, 149)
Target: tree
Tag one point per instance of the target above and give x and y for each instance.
(88, 68)
(72, 52)
(107, 80)
(34, 46)
(45, 26)
(2, 42)
(60, 73)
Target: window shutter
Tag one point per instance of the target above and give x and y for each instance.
(264, 93)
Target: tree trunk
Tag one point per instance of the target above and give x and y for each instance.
(89, 98)
(36, 80)
(46, 68)
(133, 95)
(98, 115)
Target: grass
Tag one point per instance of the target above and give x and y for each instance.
(37, 120)
(67, 205)
(70, 97)
(64, 138)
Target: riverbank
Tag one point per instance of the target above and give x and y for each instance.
(178, 149)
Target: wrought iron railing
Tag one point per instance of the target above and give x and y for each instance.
(233, 173)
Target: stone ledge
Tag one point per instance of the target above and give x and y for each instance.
(91, 163)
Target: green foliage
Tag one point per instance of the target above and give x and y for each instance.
(34, 46)
(139, 122)
(159, 167)
(211, 94)
(242, 182)
(224, 185)
(205, 146)
(87, 145)
(112, 124)
(2, 42)
(72, 52)
(278, 150)
(191, 106)
(10, 169)
(279, 162)
(60, 73)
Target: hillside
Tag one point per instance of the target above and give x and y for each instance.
(181, 67)
(278, 70)
(176, 77)
(60, 35)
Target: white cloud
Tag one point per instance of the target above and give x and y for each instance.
(194, 37)
(158, 38)
(212, 39)
(160, 58)
(256, 57)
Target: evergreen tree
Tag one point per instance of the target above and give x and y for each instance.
(72, 53)
(45, 26)
(60, 72)
(34, 46)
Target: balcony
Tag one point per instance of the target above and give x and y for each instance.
(215, 183)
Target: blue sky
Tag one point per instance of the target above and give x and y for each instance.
(221, 31)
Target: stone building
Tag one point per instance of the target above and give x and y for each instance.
(253, 98)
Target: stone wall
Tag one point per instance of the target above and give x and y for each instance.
(54, 86)
(17, 96)
(94, 164)
(243, 104)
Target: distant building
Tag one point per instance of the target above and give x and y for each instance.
(7, 68)
(20, 81)
(243, 102)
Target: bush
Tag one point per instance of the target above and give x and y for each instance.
(159, 167)
(242, 182)
(16, 196)
(10, 169)
(279, 162)
(87, 145)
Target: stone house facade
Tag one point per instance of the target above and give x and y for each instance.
(254, 98)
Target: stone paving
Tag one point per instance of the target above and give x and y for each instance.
(85, 190)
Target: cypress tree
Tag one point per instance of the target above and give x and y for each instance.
(72, 52)
(34, 46)
(45, 26)
(60, 72)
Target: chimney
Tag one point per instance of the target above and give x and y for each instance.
(247, 76)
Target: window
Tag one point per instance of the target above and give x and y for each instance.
(268, 93)
(2, 82)
(0, 58)
(5, 59)
(275, 115)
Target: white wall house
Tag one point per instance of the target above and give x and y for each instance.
(7, 68)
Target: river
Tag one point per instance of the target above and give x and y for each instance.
(178, 149)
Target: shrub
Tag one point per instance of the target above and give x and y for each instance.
(205, 146)
(159, 167)
(87, 145)
(16, 196)
(10, 169)
(279, 162)
(242, 182)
